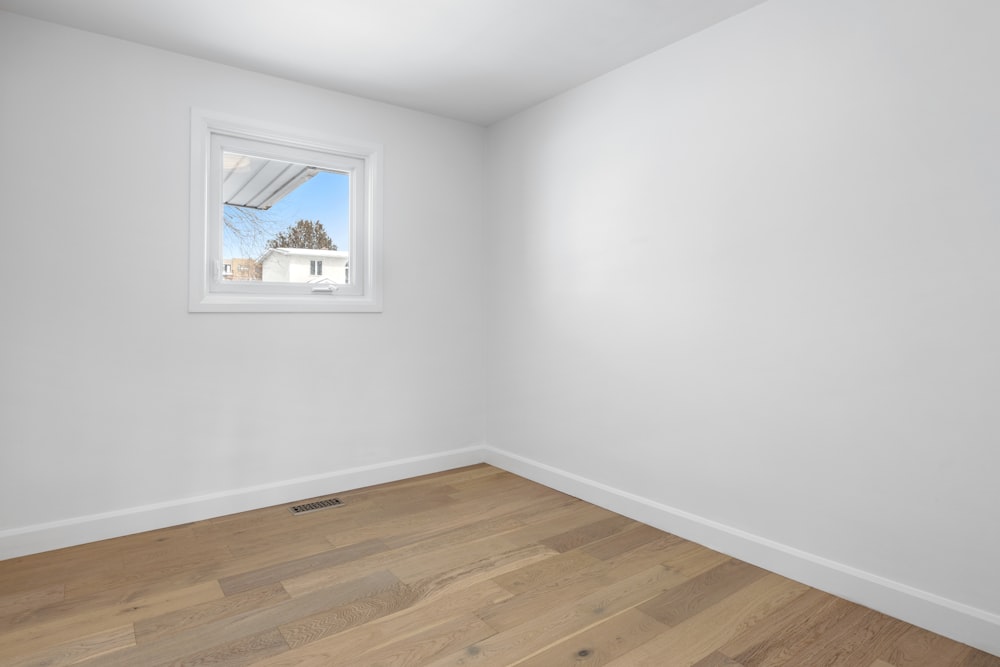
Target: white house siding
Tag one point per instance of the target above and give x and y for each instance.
(293, 265)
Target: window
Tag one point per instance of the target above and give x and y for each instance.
(277, 206)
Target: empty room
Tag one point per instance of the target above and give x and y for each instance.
(500, 332)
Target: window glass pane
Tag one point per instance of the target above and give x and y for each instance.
(283, 220)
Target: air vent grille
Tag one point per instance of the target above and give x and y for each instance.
(315, 505)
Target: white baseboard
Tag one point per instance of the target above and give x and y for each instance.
(80, 530)
(950, 618)
(956, 620)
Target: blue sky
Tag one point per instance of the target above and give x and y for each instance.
(324, 197)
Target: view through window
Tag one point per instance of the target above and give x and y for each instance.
(283, 220)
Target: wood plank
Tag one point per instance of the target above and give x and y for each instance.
(400, 501)
(882, 633)
(547, 572)
(681, 560)
(101, 613)
(717, 660)
(174, 551)
(490, 481)
(977, 658)
(363, 610)
(545, 628)
(502, 516)
(275, 548)
(860, 638)
(474, 567)
(247, 650)
(690, 559)
(306, 534)
(416, 558)
(632, 537)
(584, 535)
(27, 573)
(73, 651)
(922, 648)
(146, 569)
(565, 518)
(428, 644)
(428, 564)
(400, 531)
(431, 480)
(275, 573)
(15, 604)
(705, 633)
(433, 531)
(192, 616)
(349, 646)
(119, 605)
(680, 603)
(232, 629)
(792, 630)
(601, 643)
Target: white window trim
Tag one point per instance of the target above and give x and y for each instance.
(208, 292)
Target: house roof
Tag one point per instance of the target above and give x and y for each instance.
(307, 252)
(258, 183)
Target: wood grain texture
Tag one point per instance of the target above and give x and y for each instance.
(717, 660)
(977, 658)
(921, 648)
(695, 595)
(76, 650)
(275, 573)
(468, 567)
(600, 643)
(26, 601)
(171, 623)
(243, 651)
(394, 631)
(702, 634)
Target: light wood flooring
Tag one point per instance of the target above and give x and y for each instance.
(469, 567)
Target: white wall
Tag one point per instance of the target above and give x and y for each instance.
(114, 397)
(747, 285)
(757, 287)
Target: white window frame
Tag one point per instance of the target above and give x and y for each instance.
(211, 135)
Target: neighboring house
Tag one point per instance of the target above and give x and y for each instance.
(241, 268)
(302, 265)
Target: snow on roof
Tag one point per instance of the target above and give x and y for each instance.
(308, 252)
(259, 183)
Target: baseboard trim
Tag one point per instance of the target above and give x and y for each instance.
(81, 530)
(961, 622)
(958, 621)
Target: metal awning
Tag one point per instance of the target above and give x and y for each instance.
(259, 183)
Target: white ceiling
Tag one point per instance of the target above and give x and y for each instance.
(474, 60)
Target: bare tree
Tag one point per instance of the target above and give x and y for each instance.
(248, 230)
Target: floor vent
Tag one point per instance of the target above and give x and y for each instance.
(316, 505)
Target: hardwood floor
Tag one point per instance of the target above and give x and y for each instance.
(469, 567)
